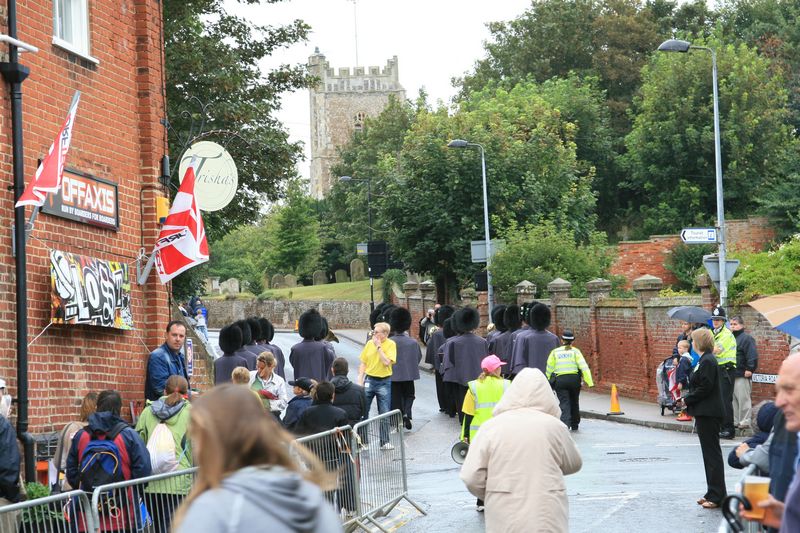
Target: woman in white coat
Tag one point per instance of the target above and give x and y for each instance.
(519, 458)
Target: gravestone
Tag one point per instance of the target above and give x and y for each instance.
(278, 282)
(230, 286)
(319, 277)
(290, 280)
(341, 276)
(357, 270)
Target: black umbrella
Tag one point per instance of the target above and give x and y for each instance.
(689, 313)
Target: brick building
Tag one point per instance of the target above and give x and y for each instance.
(112, 53)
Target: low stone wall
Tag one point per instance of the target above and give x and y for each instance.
(345, 315)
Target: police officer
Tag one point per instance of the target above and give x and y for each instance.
(725, 351)
(565, 366)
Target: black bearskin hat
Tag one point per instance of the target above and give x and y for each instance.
(400, 320)
(447, 328)
(539, 317)
(466, 319)
(255, 329)
(512, 318)
(375, 313)
(497, 318)
(442, 314)
(247, 335)
(324, 332)
(230, 338)
(267, 331)
(524, 308)
(386, 312)
(310, 325)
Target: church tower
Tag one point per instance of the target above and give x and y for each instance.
(339, 105)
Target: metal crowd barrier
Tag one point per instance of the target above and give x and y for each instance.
(145, 504)
(749, 526)
(68, 512)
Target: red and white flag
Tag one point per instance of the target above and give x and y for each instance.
(48, 175)
(182, 242)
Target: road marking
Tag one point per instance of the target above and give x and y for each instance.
(615, 445)
(676, 445)
(624, 499)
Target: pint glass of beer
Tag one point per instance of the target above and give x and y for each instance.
(755, 489)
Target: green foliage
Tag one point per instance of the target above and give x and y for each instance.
(540, 253)
(671, 292)
(40, 514)
(766, 273)
(392, 277)
(686, 262)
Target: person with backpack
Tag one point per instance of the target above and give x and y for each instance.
(107, 451)
(163, 425)
(88, 406)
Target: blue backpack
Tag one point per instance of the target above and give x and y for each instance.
(103, 458)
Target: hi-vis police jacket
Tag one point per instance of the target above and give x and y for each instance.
(568, 360)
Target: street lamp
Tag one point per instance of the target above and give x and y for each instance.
(676, 45)
(348, 179)
(461, 143)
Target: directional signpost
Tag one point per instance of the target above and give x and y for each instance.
(699, 235)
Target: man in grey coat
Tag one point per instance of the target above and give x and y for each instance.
(311, 358)
(406, 369)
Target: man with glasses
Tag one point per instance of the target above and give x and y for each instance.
(375, 372)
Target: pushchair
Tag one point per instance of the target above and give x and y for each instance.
(665, 382)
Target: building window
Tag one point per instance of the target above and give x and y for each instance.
(71, 26)
(358, 121)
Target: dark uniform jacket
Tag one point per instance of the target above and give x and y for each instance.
(462, 358)
(223, 367)
(434, 343)
(500, 345)
(248, 356)
(279, 358)
(408, 357)
(311, 359)
(350, 397)
(532, 349)
(705, 393)
(782, 454)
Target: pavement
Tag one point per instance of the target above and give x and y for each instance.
(593, 405)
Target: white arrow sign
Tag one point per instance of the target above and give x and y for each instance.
(699, 235)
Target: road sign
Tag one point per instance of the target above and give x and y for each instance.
(765, 378)
(711, 262)
(361, 248)
(699, 235)
(478, 249)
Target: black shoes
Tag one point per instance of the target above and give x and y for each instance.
(407, 423)
(727, 435)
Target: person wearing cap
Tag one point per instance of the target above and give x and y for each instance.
(565, 366)
(298, 405)
(481, 398)
(725, 351)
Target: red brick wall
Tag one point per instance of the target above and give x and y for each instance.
(117, 136)
(752, 234)
(637, 258)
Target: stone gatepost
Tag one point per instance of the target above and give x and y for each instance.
(707, 297)
(526, 292)
(467, 296)
(410, 296)
(559, 291)
(427, 290)
(646, 287)
(599, 289)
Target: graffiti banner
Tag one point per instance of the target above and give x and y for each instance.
(85, 290)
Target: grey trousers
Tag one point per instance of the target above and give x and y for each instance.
(742, 388)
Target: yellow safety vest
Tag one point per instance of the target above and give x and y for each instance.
(568, 360)
(487, 392)
(726, 341)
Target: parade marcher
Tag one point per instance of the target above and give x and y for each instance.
(565, 367)
(374, 374)
(88, 406)
(163, 425)
(301, 387)
(524, 328)
(435, 342)
(481, 398)
(504, 345)
(448, 394)
(311, 358)
(532, 348)
(725, 351)
(746, 365)
(462, 356)
(349, 396)
(247, 480)
(230, 340)
(269, 385)
(498, 320)
(244, 350)
(524, 430)
(323, 338)
(704, 402)
(255, 336)
(406, 369)
(268, 333)
(165, 361)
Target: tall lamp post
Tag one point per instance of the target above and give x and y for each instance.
(347, 179)
(461, 143)
(676, 45)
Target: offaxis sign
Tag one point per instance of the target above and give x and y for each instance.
(85, 198)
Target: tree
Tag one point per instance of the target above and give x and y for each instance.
(294, 246)
(671, 147)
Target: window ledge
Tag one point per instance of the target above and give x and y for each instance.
(69, 47)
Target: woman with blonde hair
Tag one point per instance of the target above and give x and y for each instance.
(88, 406)
(247, 480)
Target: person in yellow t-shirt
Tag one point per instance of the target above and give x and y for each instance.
(377, 358)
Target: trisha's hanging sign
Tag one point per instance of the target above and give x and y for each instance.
(85, 290)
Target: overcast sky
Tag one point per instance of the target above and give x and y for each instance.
(434, 40)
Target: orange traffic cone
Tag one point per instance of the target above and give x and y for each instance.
(615, 410)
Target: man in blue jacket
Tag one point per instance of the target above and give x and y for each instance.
(165, 361)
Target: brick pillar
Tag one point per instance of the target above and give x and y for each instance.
(598, 289)
(559, 291)
(482, 305)
(646, 287)
(526, 291)
(708, 298)
(412, 300)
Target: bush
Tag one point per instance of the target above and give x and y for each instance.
(766, 273)
(392, 277)
(686, 262)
